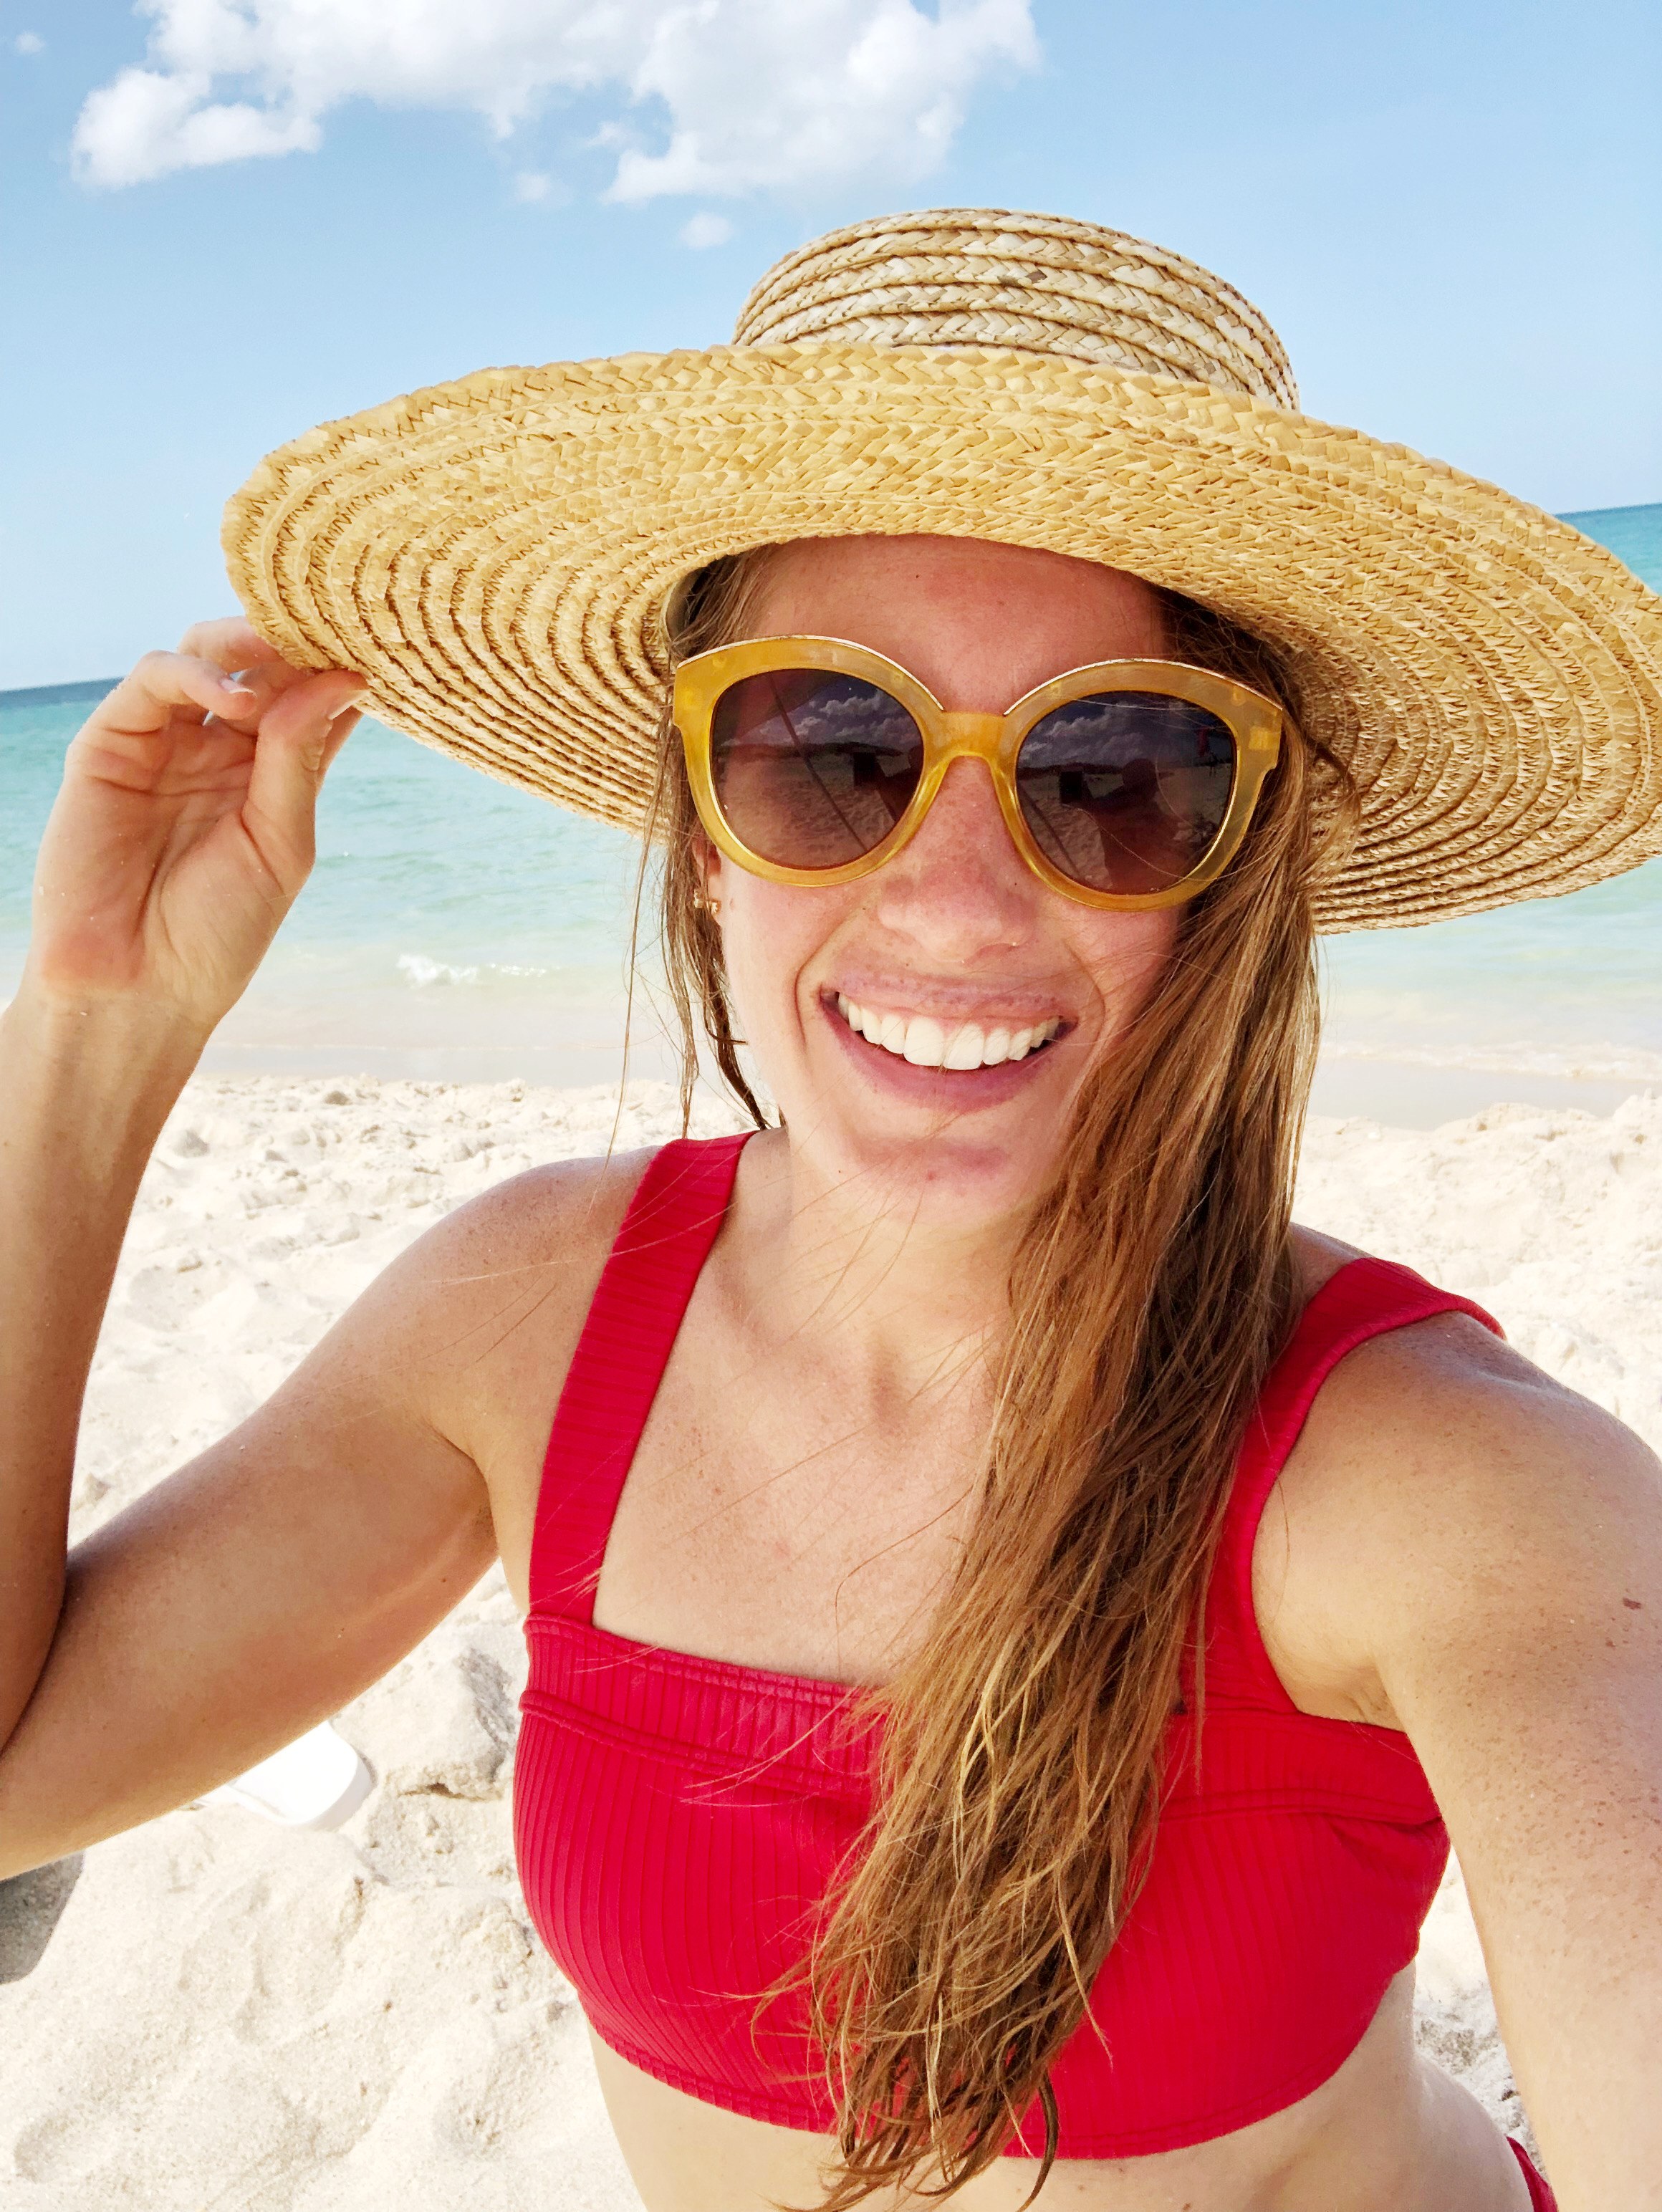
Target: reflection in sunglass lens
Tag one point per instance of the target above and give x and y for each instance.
(812, 770)
(1126, 791)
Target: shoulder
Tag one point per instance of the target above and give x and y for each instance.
(1316, 1258)
(564, 1216)
(1444, 1497)
(496, 1290)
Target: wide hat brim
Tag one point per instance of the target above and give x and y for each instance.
(494, 556)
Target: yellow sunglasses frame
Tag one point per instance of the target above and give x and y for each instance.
(1253, 721)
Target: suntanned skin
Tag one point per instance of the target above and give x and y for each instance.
(1457, 1547)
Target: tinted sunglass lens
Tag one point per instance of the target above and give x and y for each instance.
(1126, 791)
(812, 770)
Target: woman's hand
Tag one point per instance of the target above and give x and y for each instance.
(184, 829)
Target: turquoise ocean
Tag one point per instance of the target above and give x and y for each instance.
(455, 930)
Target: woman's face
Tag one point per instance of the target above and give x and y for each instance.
(956, 929)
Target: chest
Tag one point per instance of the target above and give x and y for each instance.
(764, 1502)
(769, 1520)
(776, 1517)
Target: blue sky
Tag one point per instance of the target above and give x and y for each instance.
(1450, 212)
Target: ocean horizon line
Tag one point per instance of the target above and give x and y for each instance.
(87, 691)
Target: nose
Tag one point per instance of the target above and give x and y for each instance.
(959, 888)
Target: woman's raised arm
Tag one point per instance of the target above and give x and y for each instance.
(262, 1587)
(257, 1589)
(181, 836)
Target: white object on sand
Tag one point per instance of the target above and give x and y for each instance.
(316, 1781)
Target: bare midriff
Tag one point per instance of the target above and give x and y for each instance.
(1387, 2133)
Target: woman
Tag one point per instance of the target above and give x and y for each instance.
(1042, 681)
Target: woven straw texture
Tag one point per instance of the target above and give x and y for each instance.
(495, 554)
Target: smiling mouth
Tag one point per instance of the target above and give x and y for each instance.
(926, 1042)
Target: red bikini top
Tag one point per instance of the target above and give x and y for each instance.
(678, 1821)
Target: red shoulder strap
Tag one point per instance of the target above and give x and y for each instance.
(642, 1293)
(1365, 1298)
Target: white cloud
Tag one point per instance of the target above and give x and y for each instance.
(706, 229)
(714, 96)
(145, 123)
(29, 42)
(813, 93)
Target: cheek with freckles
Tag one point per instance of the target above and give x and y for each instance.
(1124, 955)
(771, 934)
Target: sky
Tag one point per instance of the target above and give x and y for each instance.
(223, 221)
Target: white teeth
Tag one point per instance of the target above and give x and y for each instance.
(926, 1042)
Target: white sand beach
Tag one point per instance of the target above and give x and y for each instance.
(227, 2016)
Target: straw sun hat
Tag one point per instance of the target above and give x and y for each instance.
(496, 555)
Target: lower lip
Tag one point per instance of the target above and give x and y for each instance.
(953, 1089)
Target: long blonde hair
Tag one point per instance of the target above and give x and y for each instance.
(1017, 1791)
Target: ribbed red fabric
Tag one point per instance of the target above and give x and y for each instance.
(679, 1820)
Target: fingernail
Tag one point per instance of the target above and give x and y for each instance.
(235, 690)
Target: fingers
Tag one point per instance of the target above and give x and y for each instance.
(235, 646)
(342, 723)
(222, 668)
(230, 642)
(299, 736)
(162, 686)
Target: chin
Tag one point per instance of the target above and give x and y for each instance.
(981, 1143)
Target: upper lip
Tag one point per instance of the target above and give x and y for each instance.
(952, 1005)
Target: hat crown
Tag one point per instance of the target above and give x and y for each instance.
(1038, 283)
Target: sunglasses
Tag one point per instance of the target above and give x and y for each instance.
(1126, 785)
